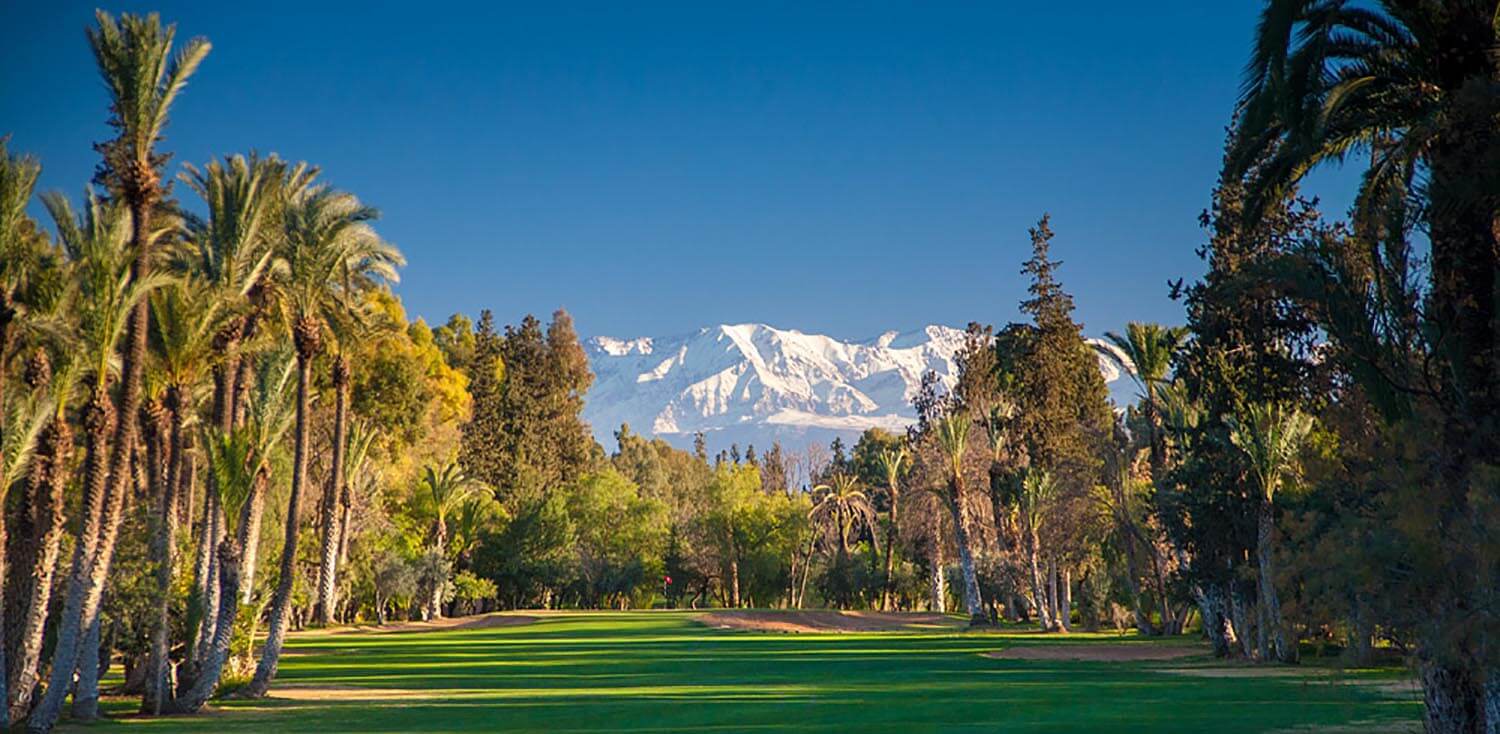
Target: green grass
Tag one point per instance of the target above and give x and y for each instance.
(661, 672)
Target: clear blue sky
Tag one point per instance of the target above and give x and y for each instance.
(655, 168)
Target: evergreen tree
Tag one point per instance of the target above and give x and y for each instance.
(1064, 405)
(484, 433)
(526, 435)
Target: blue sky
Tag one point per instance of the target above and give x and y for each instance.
(654, 168)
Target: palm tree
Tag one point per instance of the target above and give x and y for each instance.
(1271, 435)
(18, 176)
(23, 422)
(97, 242)
(844, 506)
(360, 478)
(233, 251)
(41, 516)
(183, 318)
(368, 262)
(336, 491)
(442, 490)
(231, 254)
(328, 247)
(1145, 353)
(1038, 488)
(134, 56)
(953, 441)
(891, 462)
(241, 460)
(270, 411)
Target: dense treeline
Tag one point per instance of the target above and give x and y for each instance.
(219, 423)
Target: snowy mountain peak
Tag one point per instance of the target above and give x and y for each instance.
(754, 383)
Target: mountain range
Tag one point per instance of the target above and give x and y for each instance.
(756, 384)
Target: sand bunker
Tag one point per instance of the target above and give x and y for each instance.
(826, 621)
(478, 621)
(304, 692)
(1096, 653)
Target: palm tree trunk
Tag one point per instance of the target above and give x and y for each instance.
(973, 604)
(207, 680)
(47, 479)
(939, 581)
(306, 337)
(1038, 589)
(734, 571)
(1240, 614)
(887, 593)
(332, 516)
(248, 538)
(1133, 581)
(1052, 595)
(432, 606)
(1270, 604)
(86, 689)
(98, 422)
(208, 581)
(1065, 599)
(1215, 611)
(242, 384)
(164, 555)
(5, 624)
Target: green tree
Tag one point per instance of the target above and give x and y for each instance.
(621, 536)
(1415, 85)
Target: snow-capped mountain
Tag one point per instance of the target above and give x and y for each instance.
(755, 384)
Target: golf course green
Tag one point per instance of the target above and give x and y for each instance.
(666, 672)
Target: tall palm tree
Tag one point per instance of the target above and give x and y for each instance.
(41, 516)
(234, 248)
(891, 462)
(144, 77)
(442, 491)
(97, 242)
(1038, 488)
(270, 410)
(18, 176)
(369, 261)
(1145, 353)
(1271, 435)
(241, 458)
(232, 251)
(360, 478)
(953, 440)
(23, 421)
(183, 320)
(328, 247)
(240, 467)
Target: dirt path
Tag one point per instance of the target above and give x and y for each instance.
(1096, 653)
(802, 621)
(478, 621)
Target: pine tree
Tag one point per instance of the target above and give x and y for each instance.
(483, 439)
